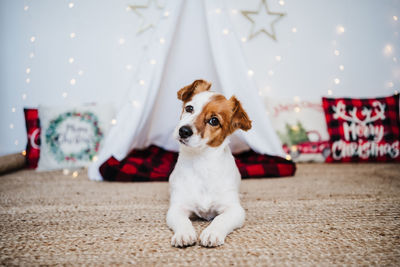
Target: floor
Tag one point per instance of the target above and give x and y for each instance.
(328, 214)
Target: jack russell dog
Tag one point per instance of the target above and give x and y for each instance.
(205, 181)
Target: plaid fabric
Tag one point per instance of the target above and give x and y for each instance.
(33, 132)
(156, 164)
(363, 130)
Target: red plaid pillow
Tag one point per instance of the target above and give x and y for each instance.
(363, 130)
(33, 132)
(156, 164)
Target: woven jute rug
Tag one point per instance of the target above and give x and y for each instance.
(325, 215)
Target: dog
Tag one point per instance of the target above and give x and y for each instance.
(205, 181)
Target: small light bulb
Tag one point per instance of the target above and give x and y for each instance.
(336, 81)
(341, 67)
(28, 80)
(294, 30)
(71, 60)
(71, 5)
(23, 96)
(11, 126)
(340, 29)
(218, 11)
(72, 35)
(128, 67)
(65, 171)
(330, 92)
(297, 109)
(153, 62)
(28, 70)
(225, 31)
(128, 8)
(288, 157)
(64, 94)
(32, 39)
(75, 174)
(162, 40)
(121, 41)
(80, 72)
(396, 92)
(390, 84)
(296, 99)
(13, 109)
(113, 121)
(388, 50)
(31, 55)
(395, 18)
(166, 14)
(278, 58)
(95, 158)
(23, 153)
(141, 82)
(234, 11)
(281, 2)
(243, 39)
(72, 81)
(250, 73)
(135, 103)
(26, 8)
(336, 52)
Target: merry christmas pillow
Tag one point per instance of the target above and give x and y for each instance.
(71, 136)
(363, 129)
(301, 128)
(33, 133)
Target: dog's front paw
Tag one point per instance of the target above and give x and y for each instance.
(211, 238)
(184, 238)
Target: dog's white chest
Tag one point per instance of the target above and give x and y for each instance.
(206, 204)
(205, 187)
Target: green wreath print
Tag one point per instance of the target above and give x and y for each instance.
(86, 154)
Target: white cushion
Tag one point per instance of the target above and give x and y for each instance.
(71, 136)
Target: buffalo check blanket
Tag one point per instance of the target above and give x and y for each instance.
(156, 164)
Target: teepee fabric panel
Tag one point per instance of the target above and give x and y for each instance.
(132, 118)
(232, 70)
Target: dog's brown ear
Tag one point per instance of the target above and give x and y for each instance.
(240, 119)
(198, 86)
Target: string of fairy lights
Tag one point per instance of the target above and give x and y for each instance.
(251, 16)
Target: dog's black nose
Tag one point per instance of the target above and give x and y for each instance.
(185, 132)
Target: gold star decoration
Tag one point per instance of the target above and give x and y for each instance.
(257, 17)
(148, 21)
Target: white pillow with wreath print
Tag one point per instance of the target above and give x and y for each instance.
(71, 136)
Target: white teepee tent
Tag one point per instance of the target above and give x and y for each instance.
(173, 60)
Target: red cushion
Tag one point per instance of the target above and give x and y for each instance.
(156, 164)
(363, 130)
(33, 132)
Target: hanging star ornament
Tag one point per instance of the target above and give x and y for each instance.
(262, 20)
(150, 14)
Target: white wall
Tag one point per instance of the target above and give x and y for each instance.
(106, 50)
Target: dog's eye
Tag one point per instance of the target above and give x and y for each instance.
(213, 121)
(189, 109)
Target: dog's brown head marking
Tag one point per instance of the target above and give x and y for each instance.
(198, 86)
(221, 117)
